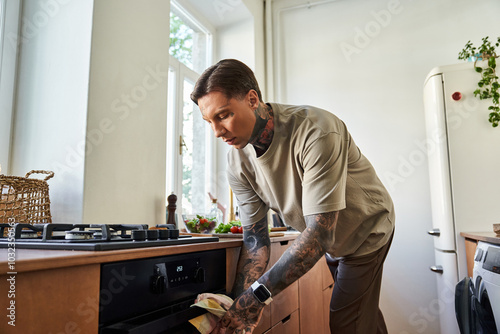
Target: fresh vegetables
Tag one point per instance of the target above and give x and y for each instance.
(201, 224)
(233, 227)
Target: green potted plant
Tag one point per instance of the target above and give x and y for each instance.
(488, 84)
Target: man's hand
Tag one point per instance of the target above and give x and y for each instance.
(242, 317)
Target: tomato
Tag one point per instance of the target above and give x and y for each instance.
(240, 229)
(234, 229)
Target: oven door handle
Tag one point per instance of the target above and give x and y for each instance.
(158, 321)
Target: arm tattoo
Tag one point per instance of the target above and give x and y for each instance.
(254, 256)
(303, 254)
(295, 262)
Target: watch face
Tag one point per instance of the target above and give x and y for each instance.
(262, 293)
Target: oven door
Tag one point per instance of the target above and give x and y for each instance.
(171, 320)
(155, 295)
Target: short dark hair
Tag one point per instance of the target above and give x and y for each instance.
(231, 77)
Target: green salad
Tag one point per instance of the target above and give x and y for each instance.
(233, 227)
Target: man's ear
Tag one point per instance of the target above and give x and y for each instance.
(253, 98)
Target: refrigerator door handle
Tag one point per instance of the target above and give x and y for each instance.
(437, 269)
(434, 232)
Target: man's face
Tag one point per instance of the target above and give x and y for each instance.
(232, 119)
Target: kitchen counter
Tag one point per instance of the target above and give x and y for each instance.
(57, 291)
(490, 237)
(35, 259)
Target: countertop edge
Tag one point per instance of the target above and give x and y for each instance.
(35, 259)
(27, 260)
(490, 237)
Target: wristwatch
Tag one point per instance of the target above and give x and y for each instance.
(261, 293)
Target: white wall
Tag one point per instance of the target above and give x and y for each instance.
(51, 100)
(126, 122)
(366, 61)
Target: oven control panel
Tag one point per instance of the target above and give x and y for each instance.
(174, 274)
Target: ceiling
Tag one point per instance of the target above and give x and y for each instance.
(218, 12)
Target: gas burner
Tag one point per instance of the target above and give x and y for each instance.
(79, 235)
(76, 232)
(93, 236)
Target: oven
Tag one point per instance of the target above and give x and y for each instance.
(155, 295)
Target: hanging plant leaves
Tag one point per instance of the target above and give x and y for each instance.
(488, 83)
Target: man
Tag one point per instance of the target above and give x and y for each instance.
(301, 162)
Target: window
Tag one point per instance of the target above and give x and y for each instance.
(190, 143)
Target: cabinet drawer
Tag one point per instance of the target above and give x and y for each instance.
(265, 321)
(312, 310)
(285, 303)
(288, 325)
(282, 305)
(277, 249)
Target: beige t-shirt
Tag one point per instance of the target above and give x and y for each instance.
(313, 166)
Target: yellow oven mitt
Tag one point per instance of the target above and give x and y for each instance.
(216, 305)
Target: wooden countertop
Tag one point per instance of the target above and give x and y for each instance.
(38, 259)
(490, 237)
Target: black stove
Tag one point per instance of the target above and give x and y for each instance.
(92, 237)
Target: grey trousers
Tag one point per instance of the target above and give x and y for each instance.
(354, 307)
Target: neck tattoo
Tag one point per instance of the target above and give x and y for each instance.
(263, 131)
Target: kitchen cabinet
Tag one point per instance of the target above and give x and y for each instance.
(278, 315)
(58, 291)
(62, 300)
(304, 306)
(470, 250)
(315, 291)
(289, 325)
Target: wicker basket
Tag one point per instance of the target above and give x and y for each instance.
(24, 200)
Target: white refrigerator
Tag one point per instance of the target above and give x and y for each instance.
(464, 171)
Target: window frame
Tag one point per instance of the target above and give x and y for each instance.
(183, 72)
